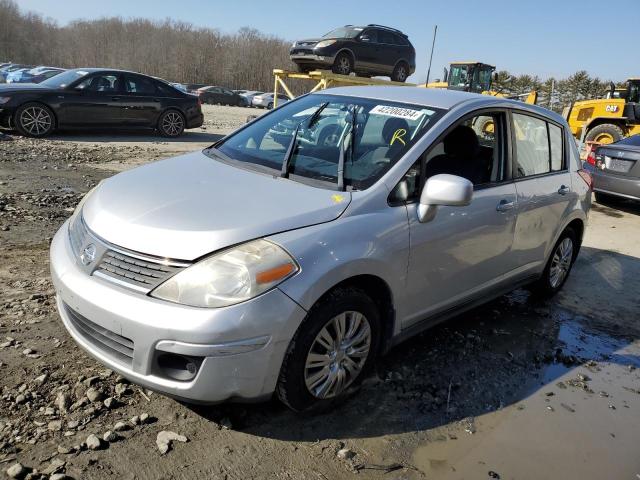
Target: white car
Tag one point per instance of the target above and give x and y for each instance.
(266, 100)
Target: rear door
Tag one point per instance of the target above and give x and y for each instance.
(93, 102)
(389, 50)
(543, 185)
(141, 101)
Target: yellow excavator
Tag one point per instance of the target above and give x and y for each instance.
(476, 77)
(607, 120)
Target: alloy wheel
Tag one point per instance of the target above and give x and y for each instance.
(402, 74)
(172, 124)
(561, 262)
(35, 120)
(337, 354)
(344, 65)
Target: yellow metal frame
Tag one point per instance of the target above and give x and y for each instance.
(324, 79)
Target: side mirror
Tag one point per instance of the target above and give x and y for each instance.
(365, 38)
(443, 189)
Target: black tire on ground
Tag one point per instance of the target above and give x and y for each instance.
(171, 124)
(606, 131)
(343, 64)
(270, 105)
(292, 387)
(400, 72)
(34, 120)
(545, 285)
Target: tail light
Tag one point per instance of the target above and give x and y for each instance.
(591, 158)
(588, 179)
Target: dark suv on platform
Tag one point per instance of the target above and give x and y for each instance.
(368, 51)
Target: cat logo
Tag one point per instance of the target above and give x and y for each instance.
(611, 108)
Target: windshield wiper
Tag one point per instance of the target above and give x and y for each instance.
(286, 161)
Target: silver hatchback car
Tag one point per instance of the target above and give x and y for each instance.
(289, 255)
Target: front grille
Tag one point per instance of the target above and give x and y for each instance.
(116, 346)
(134, 271)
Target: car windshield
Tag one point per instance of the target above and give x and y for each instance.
(371, 134)
(64, 79)
(343, 32)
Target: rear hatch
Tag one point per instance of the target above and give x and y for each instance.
(622, 160)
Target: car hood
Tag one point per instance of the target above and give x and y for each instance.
(188, 206)
(22, 87)
(310, 41)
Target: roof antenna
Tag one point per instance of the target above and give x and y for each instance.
(433, 44)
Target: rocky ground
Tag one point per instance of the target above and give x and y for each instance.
(519, 388)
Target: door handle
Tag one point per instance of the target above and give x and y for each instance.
(115, 98)
(505, 205)
(563, 190)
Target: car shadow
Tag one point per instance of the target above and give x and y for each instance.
(137, 136)
(487, 358)
(613, 206)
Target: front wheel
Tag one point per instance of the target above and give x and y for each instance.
(270, 105)
(34, 120)
(331, 351)
(559, 265)
(343, 64)
(604, 134)
(171, 124)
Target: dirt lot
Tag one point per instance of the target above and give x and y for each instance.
(517, 389)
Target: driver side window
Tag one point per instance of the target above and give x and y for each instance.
(100, 83)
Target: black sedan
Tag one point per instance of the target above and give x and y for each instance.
(615, 169)
(221, 96)
(98, 98)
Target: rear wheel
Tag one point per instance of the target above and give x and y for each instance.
(331, 351)
(605, 133)
(34, 120)
(171, 124)
(400, 73)
(559, 265)
(343, 64)
(270, 105)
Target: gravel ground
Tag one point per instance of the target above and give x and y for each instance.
(518, 388)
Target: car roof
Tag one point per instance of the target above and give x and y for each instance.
(434, 97)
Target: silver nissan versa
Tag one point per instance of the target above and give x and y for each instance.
(289, 255)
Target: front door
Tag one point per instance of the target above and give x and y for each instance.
(464, 251)
(94, 102)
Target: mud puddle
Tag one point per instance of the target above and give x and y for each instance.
(579, 420)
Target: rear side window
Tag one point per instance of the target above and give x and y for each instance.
(555, 141)
(140, 85)
(385, 37)
(539, 146)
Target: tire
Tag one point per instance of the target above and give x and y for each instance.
(34, 120)
(400, 72)
(343, 64)
(305, 388)
(270, 106)
(605, 133)
(303, 68)
(548, 284)
(171, 124)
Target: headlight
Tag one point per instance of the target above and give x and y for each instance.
(4, 100)
(325, 43)
(294, 44)
(230, 276)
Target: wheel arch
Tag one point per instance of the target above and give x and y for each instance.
(596, 121)
(577, 223)
(350, 52)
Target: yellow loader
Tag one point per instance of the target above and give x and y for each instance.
(607, 120)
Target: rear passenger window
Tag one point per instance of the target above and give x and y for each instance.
(555, 140)
(532, 145)
(140, 85)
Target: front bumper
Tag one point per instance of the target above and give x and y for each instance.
(312, 58)
(263, 325)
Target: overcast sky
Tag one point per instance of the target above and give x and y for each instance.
(546, 37)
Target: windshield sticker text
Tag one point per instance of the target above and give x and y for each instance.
(398, 112)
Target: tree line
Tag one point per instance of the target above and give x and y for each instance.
(180, 52)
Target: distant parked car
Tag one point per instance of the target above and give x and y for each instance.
(249, 94)
(367, 50)
(34, 75)
(93, 97)
(265, 100)
(220, 95)
(615, 169)
(4, 71)
(180, 87)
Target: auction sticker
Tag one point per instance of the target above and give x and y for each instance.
(398, 112)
